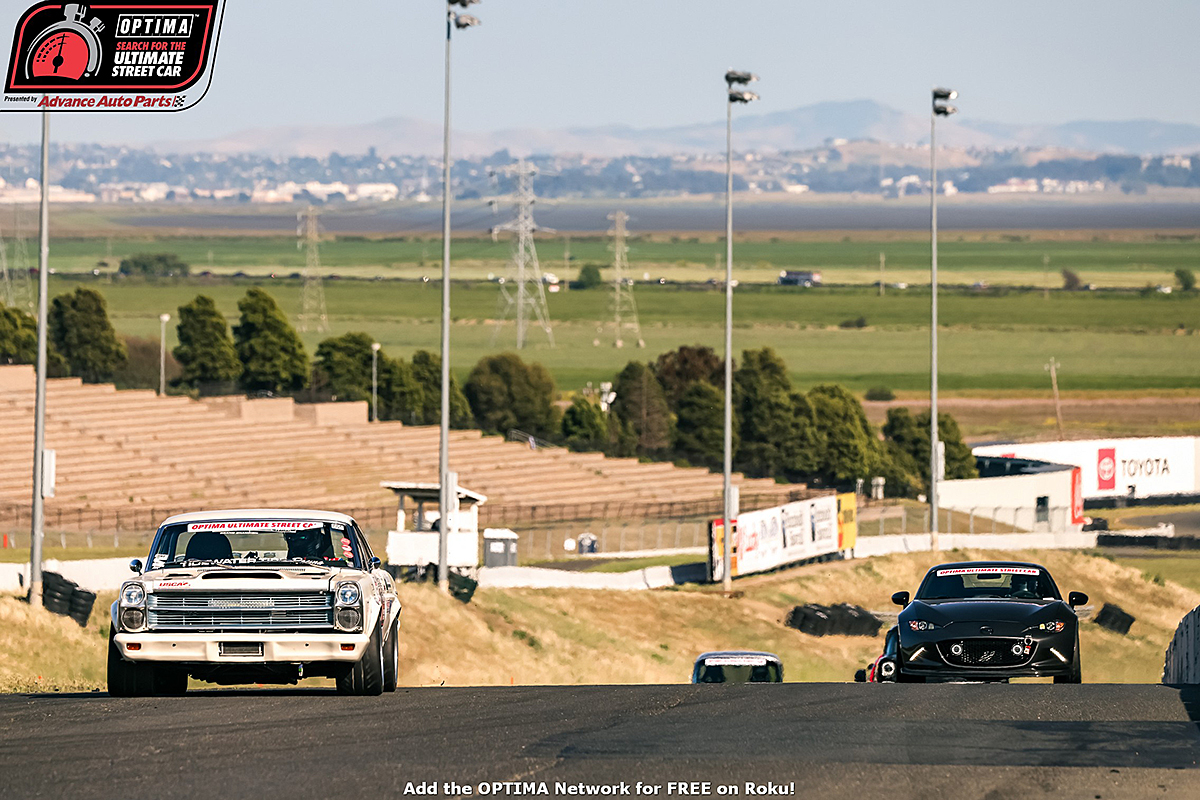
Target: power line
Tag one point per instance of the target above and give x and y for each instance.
(625, 314)
(523, 293)
(312, 295)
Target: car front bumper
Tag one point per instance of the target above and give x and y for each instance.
(1052, 656)
(293, 648)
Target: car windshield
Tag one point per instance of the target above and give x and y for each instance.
(988, 581)
(255, 541)
(738, 669)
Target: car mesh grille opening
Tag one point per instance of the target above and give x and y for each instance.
(984, 652)
(239, 610)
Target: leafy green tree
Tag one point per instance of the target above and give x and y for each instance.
(154, 265)
(505, 393)
(641, 404)
(700, 426)
(205, 351)
(678, 369)
(776, 423)
(908, 436)
(584, 426)
(272, 355)
(589, 276)
(1071, 281)
(427, 373)
(140, 369)
(342, 366)
(847, 452)
(401, 396)
(82, 334)
(18, 342)
(1186, 279)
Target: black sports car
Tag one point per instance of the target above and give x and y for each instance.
(988, 620)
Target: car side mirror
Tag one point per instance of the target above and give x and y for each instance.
(135, 566)
(900, 599)
(374, 563)
(1077, 599)
(860, 676)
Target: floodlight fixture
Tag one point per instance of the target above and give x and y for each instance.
(944, 109)
(463, 3)
(944, 94)
(462, 21)
(742, 97)
(739, 77)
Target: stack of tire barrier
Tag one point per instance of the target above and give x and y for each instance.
(842, 619)
(1114, 618)
(61, 596)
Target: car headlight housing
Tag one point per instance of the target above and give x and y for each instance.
(133, 619)
(348, 594)
(133, 595)
(921, 625)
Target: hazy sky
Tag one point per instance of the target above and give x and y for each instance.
(561, 63)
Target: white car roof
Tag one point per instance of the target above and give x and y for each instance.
(259, 513)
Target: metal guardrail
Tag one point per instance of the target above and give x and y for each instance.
(534, 443)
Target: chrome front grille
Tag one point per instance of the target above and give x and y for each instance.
(239, 610)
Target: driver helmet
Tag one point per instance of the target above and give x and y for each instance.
(307, 543)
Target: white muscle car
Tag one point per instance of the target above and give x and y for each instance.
(255, 596)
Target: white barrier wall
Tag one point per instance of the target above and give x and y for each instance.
(1164, 465)
(1013, 499)
(1182, 664)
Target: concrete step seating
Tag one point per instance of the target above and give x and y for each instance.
(174, 452)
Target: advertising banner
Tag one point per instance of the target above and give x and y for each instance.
(1141, 467)
(774, 537)
(118, 56)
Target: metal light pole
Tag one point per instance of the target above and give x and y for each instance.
(732, 78)
(38, 514)
(163, 319)
(943, 109)
(375, 381)
(445, 501)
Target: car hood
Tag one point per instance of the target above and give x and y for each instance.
(948, 611)
(245, 578)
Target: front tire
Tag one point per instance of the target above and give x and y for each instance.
(391, 657)
(1076, 673)
(127, 678)
(366, 676)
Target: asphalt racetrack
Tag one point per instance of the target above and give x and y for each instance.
(813, 740)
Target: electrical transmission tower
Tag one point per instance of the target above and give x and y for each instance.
(523, 293)
(312, 295)
(625, 315)
(16, 286)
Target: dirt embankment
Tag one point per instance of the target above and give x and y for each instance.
(574, 637)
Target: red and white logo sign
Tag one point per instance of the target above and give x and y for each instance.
(1077, 496)
(1106, 468)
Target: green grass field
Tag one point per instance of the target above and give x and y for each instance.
(990, 341)
(999, 259)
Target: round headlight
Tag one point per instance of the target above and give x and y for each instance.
(349, 619)
(133, 595)
(348, 594)
(132, 618)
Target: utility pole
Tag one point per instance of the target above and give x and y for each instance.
(1052, 368)
(528, 293)
(38, 513)
(936, 450)
(625, 314)
(312, 294)
(882, 265)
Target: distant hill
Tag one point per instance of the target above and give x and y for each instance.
(800, 128)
